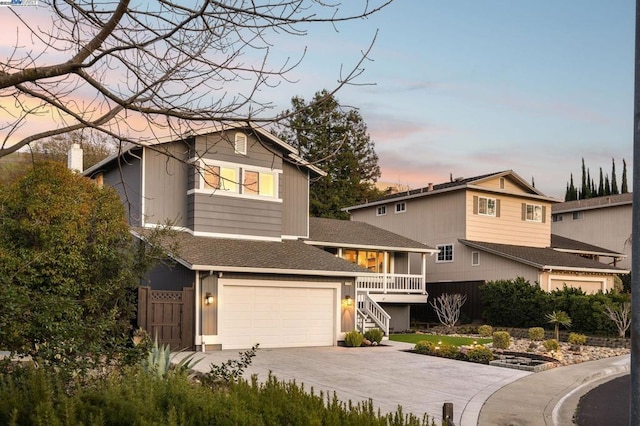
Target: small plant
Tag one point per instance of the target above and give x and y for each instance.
(558, 318)
(230, 370)
(374, 335)
(425, 347)
(551, 345)
(446, 350)
(480, 354)
(485, 330)
(353, 338)
(501, 340)
(536, 334)
(159, 359)
(577, 339)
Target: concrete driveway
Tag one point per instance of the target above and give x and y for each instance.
(388, 375)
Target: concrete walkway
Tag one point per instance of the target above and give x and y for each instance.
(388, 375)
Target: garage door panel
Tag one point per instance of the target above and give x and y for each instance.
(276, 316)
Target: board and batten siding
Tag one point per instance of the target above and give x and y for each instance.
(508, 226)
(294, 185)
(220, 148)
(166, 178)
(129, 171)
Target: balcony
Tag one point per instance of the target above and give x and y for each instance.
(392, 283)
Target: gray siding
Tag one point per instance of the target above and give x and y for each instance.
(128, 170)
(295, 201)
(170, 277)
(166, 179)
(220, 147)
(400, 314)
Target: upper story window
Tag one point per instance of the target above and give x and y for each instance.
(221, 178)
(401, 207)
(258, 183)
(381, 211)
(240, 144)
(445, 254)
(578, 215)
(556, 217)
(533, 213)
(486, 206)
(237, 180)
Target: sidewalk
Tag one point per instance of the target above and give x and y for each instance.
(549, 397)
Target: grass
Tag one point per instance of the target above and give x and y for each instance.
(435, 338)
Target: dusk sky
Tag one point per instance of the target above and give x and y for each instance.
(468, 87)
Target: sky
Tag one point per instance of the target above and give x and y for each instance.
(463, 88)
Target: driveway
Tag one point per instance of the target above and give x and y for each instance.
(388, 375)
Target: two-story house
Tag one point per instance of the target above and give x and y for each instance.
(245, 269)
(601, 221)
(490, 227)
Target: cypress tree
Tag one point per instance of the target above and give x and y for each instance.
(601, 185)
(583, 188)
(614, 183)
(625, 187)
(607, 187)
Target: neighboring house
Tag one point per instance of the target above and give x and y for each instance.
(490, 227)
(602, 221)
(244, 270)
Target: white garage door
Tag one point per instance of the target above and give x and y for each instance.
(276, 317)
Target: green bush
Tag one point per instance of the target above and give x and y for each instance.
(485, 330)
(480, 354)
(536, 334)
(446, 350)
(551, 345)
(577, 339)
(425, 347)
(501, 340)
(374, 335)
(353, 338)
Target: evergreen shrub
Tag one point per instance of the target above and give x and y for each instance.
(353, 338)
(480, 354)
(374, 335)
(485, 330)
(536, 334)
(501, 340)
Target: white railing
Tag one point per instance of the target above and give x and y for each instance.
(392, 283)
(367, 308)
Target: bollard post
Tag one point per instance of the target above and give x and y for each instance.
(447, 414)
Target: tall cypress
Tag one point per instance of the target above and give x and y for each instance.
(601, 185)
(625, 187)
(614, 182)
(607, 187)
(583, 188)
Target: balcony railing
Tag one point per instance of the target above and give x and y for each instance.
(392, 283)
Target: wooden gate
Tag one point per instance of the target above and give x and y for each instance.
(169, 315)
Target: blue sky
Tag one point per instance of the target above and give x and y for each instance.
(471, 87)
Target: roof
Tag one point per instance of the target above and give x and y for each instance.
(544, 258)
(593, 203)
(234, 255)
(346, 233)
(292, 153)
(454, 185)
(567, 244)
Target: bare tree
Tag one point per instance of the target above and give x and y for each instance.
(620, 314)
(96, 147)
(448, 307)
(136, 71)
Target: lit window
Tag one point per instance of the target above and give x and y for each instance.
(446, 253)
(240, 144)
(223, 178)
(534, 213)
(486, 206)
(382, 210)
(372, 260)
(256, 183)
(401, 207)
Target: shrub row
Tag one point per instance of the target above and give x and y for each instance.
(479, 353)
(34, 396)
(518, 303)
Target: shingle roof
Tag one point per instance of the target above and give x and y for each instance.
(564, 243)
(222, 254)
(543, 257)
(593, 203)
(346, 233)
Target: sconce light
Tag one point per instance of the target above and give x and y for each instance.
(347, 300)
(208, 299)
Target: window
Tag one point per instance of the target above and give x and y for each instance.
(381, 211)
(240, 144)
(534, 213)
(373, 260)
(222, 178)
(445, 254)
(401, 207)
(257, 183)
(486, 206)
(556, 217)
(578, 215)
(475, 258)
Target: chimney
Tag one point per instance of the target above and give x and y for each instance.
(74, 158)
(430, 186)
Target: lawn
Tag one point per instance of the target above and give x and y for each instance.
(435, 338)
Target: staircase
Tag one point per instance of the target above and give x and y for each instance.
(369, 314)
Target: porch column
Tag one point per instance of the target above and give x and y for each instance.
(424, 273)
(385, 264)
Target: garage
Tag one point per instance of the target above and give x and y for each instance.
(276, 314)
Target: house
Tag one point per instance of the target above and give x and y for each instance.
(490, 227)
(601, 221)
(244, 267)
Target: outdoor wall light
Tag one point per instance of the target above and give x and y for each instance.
(208, 299)
(348, 300)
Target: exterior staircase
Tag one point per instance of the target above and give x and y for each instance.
(369, 314)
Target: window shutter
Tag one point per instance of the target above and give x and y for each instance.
(475, 204)
(497, 208)
(524, 211)
(544, 214)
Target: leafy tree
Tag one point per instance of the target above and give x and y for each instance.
(147, 69)
(614, 181)
(624, 187)
(67, 269)
(351, 164)
(95, 147)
